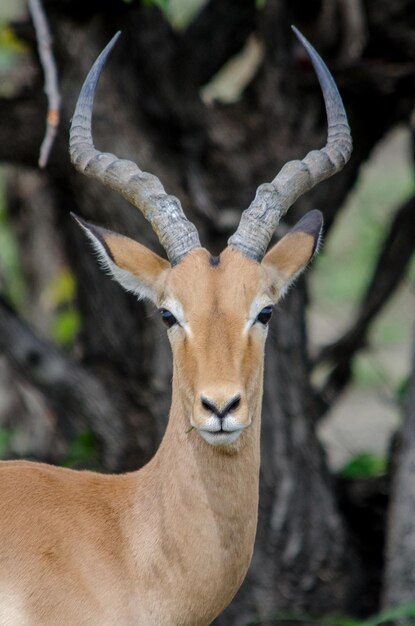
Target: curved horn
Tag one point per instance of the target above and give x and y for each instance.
(164, 212)
(273, 200)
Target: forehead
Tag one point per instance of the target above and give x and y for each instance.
(225, 283)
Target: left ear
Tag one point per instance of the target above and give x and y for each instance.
(134, 267)
(291, 255)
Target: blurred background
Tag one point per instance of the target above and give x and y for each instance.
(214, 96)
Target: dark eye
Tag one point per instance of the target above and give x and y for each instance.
(168, 318)
(265, 315)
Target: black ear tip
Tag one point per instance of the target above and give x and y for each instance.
(78, 220)
(96, 231)
(311, 223)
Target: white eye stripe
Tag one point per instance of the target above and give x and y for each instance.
(256, 307)
(176, 309)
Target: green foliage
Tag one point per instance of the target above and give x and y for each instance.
(62, 289)
(61, 295)
(11, 276)
(181, 12)
(402, 390)
(13, 53)
(342, 621)
(298, 619)
(66, 327)
(10, 44)
(397, 612)
(346, 262)
(383, 618)
(367, 373)
(364, 465)
(161, 4)
(5, 438)
(83, 452)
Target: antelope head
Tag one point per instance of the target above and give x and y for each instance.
(216, 309)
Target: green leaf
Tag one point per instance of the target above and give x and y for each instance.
(60, 294)
(12, 281)
(161, 4)
(290, 617)
(62, 288)
(364, 465)
(389, 615)
(5, 437)
(402, 390)
(83, 452)
(341, 621)
(66, 327)
(9, 42)
(401, 611)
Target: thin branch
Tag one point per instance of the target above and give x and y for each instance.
(44, 40)
(389, 271)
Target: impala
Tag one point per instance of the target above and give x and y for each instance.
(169, 544)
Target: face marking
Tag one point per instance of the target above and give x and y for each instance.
(256, 307)
(175, 307)
(217, 361)
(214, 261)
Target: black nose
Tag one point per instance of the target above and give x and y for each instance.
(231, 405)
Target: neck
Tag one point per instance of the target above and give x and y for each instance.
(209, 504)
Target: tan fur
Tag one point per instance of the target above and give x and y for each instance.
(290, 255)
(169, 544)
(133, 257)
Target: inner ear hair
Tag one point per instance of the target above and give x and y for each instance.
(132, 256)
(132, 265)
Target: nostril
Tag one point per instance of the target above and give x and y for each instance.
(232, 404)
(209, 406)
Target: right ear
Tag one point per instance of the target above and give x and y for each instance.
(134, 267)
(291, 255)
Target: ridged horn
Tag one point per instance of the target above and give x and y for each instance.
(164, 212)
(272, 200)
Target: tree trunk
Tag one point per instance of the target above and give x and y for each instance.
(399, 583)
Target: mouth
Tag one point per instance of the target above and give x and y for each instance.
(221, 432)
(220, 437)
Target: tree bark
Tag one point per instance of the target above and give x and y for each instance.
(399, 579)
